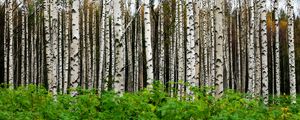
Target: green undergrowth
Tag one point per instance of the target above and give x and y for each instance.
(29, 103)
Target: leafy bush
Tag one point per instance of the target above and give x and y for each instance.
(36, 103)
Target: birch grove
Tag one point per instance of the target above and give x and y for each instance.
(129, 45)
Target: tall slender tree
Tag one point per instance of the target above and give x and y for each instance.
(264, 52)
(190, 57)
(219, 47)
(258, 74)
(292, 75)
(251, 54)
(119, 83)
(149, 59)
(277, 49)
(74, 49)
(10, 46)
(181, 57)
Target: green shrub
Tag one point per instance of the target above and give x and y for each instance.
(33, 102)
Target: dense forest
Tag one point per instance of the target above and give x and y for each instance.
(126, 45)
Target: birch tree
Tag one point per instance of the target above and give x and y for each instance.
(66, 46)
(277, 49)
(149, 59)
(219, 47)
(264, 50)
(251, 54)
(258, 74)
(197, 41)
(23, 40)
(212, 41)
(181, 63)
(53, 48)
(102, 45)
(10, 46)
(205, 42)
(5, 42)
(119, 83)
(291, 50)
(190, 57)
(74, 49)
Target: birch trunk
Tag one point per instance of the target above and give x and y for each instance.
(197, 42)
(219, 48)
(6, 42)
(212, 44)
(119, 83)
(190, 61)
(54, 47)
(149, 59)
(88, 45)
(243, 36)
(205, 41)
(34, 48)
(107, 46)
(60, 49)
(162, 46)
(258, 74)
(181, 58)
(102, 46)
(136, 44)
(277, 49)
(264, 49)
(251, 54)
(48, 45)
(11, 43)
(292, 75)
(23, 51)
(238, 48)
(66, 47)
(74, 49)
(83, 39)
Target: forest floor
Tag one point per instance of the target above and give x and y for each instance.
(32, 103)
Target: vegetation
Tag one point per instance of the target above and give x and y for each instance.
(36, 103)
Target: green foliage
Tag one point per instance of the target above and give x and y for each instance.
(36, 103)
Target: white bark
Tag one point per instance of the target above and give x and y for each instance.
(60, 50)
(136, 48)
(6, 22)
(238, 48)
(94, 53)
(11, 43)
(258, 74)
(197, 41)
(49, 45)
(119, 83)
(251, 54)
(162, 46)
(66, 47)
(264, 54)
(149, 59)
(277, 49)
(205, 42)
(83, 45)
(219, 47)
(23, 51)
(54, 47)
(102, 45)
(107, 46)
(190, 61)
(212, 41)
(74, 49)
(181, 58)
(292, 74)
(88, 46)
